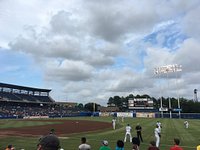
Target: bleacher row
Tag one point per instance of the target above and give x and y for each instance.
(24, 97)
(10, 109)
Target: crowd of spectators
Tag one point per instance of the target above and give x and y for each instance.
(22, 110)
(52, 142)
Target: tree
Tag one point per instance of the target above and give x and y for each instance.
(187, 106)
(117, 101)
(91, 106)
(145, 96)
(124, 106)
(110, 101)
(80, 105)
(131, 96)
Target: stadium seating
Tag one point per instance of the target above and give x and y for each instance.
(9, 96)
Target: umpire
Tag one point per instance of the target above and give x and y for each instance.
(138, 128)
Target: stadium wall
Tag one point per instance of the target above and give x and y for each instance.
(113, 114)
(176, 115)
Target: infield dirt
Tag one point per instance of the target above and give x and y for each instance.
(65, 127)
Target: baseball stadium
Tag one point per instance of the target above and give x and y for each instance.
(29, 113)
(99, 74)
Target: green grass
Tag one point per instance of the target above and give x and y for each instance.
(171, 128)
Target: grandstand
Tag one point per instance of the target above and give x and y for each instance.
(16, 93)
(20, 101)
(26, 102)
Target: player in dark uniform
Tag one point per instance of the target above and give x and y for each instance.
(138, 128)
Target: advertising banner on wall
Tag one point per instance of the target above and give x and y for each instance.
(124, 114)
(145, 115)
(163, 109)
(104, 114)
(35, 117)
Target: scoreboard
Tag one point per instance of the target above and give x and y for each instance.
(140, 103)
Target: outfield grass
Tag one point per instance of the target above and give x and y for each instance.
(171, 128)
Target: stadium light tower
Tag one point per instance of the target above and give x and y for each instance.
(195, 95)
(156, 71)
(166, 70)
(178, 68)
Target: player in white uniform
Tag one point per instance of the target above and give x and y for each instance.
(157, 132)
(186, 124)
(128, 132)
(114, 123)
(123, 118)
(159, 125)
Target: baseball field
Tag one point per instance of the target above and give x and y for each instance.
(24, 134)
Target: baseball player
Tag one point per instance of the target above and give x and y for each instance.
(159, 125)
(138, 128)
(186, 124)
(128, 132)
(157, 132)
(123, 118)
(114, 123)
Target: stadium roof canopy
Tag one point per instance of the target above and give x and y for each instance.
(12, 86)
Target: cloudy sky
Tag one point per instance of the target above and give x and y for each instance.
(90, 50)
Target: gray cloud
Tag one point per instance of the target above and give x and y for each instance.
(190, 23)
(119, 18)
(188, 56)
(68, 70)
(92, 50)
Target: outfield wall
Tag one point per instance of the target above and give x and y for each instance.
(148, 115)
(176, 115)
(113, 114)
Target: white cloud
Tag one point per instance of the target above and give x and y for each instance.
(119, 18)
(157, 57)
(68, 70)
(191, 23)
(92, 50)
(188, 55)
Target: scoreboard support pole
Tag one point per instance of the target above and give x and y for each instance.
(170, 69)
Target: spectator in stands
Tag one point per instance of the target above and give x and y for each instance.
(49, 142)
(152, 146)
(52, 131)
(176, 145)
(10, 147)
(136, 143)
(84, 145)
(198, 147)
(104, 145)
(120, 145)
